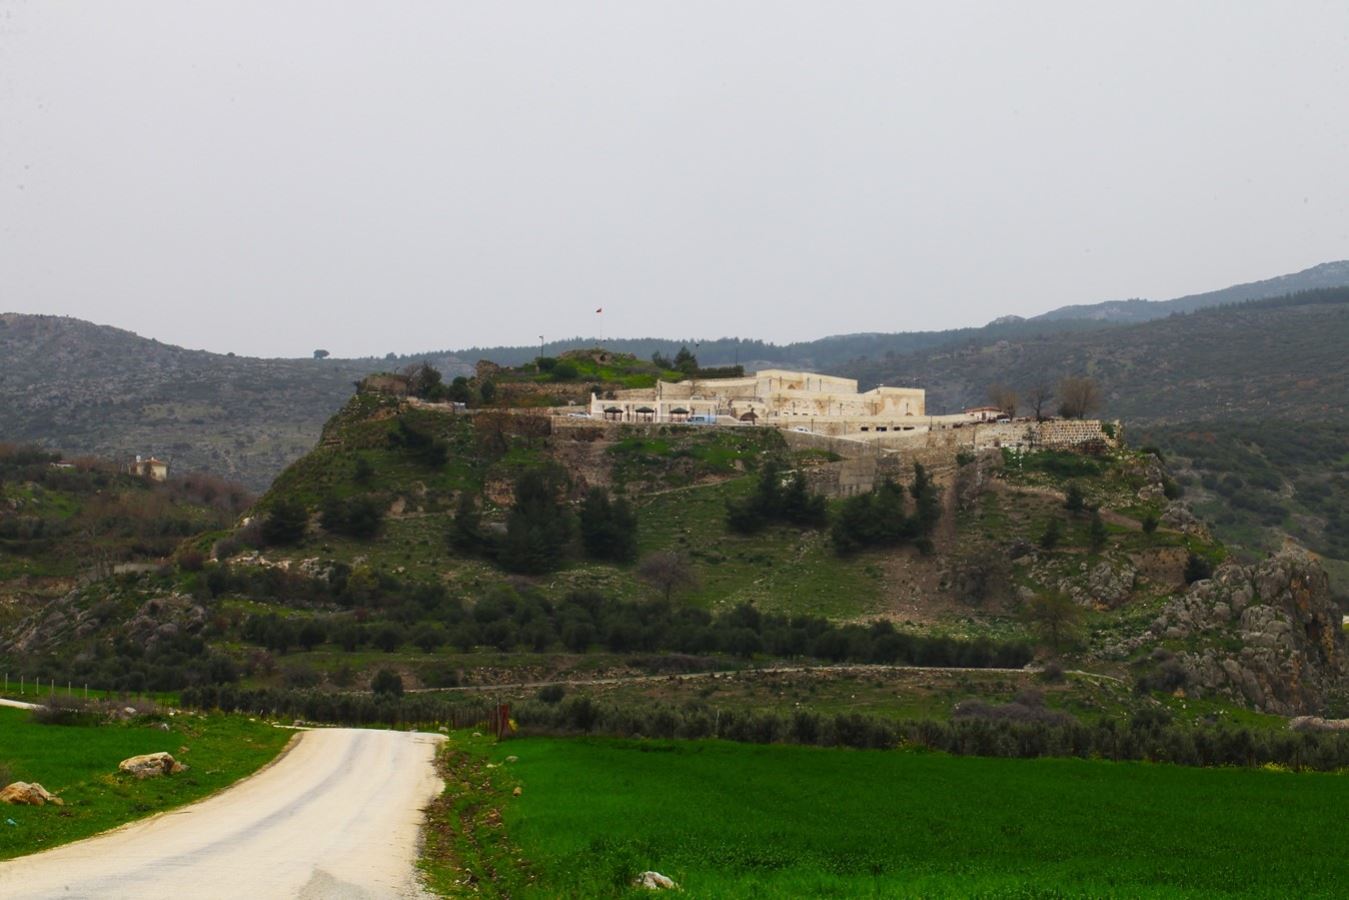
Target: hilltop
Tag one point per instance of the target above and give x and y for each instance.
(1326, 275)
(497, 546)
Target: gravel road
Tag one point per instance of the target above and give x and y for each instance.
(336, 817)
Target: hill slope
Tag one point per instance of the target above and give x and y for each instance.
(472, 547)
(91, 389)
(1248, 399)
(1280, 358)
(1326, 275)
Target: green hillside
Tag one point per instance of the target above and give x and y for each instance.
(65, 520)
(494, 547)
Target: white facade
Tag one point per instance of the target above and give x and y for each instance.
(769, 397)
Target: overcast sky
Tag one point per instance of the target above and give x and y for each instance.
(271, 177)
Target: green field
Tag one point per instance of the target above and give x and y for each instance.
(79, 764)
(731, 820)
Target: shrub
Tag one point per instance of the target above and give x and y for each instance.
(358, 517)
(387, 683)
(191, 560)
(66, 710)
(299, 675)
(565, 370)
(608, 527)
(1052, 673)
(1053, 533)
(429, 637)
(1149, 523)
(389, 637)
(1096, 533)
(285, 524)
(226, 547)
(552, 693)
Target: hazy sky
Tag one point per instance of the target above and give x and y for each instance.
(271, 177)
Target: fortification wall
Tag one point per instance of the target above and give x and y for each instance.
(864, 462)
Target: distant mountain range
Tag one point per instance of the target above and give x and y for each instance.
(826, 354)
(1326, 275)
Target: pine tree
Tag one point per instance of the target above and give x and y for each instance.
(608, 527)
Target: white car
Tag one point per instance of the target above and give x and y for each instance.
(803, 429)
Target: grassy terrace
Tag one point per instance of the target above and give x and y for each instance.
(730, 820)
(79, 764)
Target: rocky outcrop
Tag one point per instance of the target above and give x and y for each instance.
(1179, 517)
(86, 611)
(151, 765)
(654, 881)
(1267, 634)
(22, 793)
(1316, 723)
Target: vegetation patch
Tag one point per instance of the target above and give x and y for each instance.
(730, 820)
(78, 763)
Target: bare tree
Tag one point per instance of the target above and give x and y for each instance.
(1004, 398)
(1038, 397)
(667, 572)
(1078, 397)
(1055, 618)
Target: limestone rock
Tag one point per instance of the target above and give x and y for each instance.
(21, 793)
(1179, 517)
(1266, 634)
(654, 881)
(1316, 723)
(151, 765)
(1110, 586)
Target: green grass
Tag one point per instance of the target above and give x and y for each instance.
(728, 820)
(779, 569)
(79, 764)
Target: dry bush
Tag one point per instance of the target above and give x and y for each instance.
(65, 710)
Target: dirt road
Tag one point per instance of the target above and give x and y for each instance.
(336, 817)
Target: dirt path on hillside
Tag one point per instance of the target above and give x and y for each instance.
(338, 816)
(862, 669)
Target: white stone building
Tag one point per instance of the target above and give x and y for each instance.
(769, 397)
